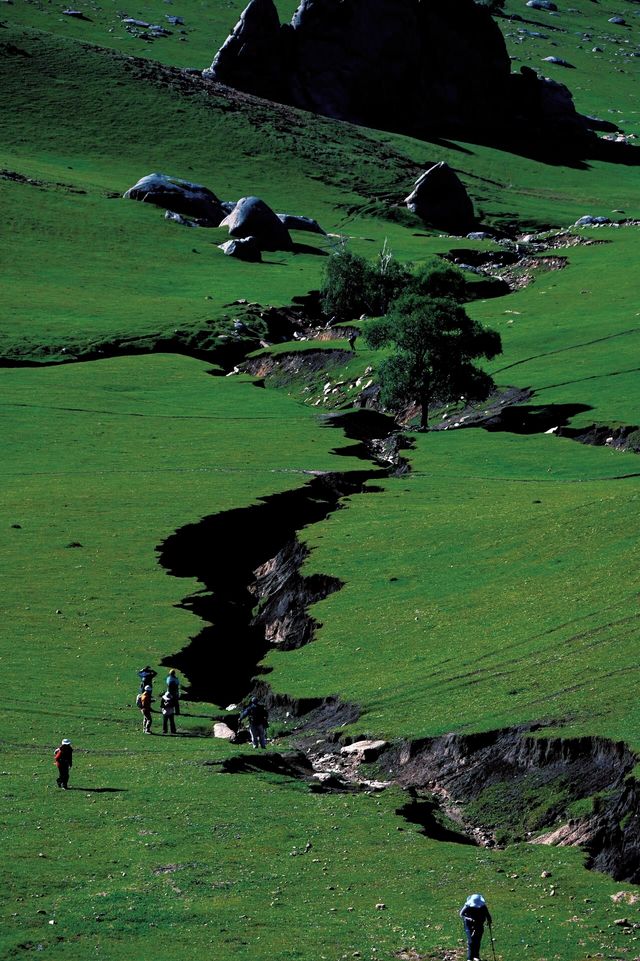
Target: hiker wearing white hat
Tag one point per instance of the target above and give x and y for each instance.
(63, 760)
(474, 914)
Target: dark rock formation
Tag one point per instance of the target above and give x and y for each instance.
(440, 198)
(181, 196)
(244, 248)
(252, 217)
(298, 222)
(249, 59)
(416, 67)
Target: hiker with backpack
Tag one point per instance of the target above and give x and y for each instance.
(258, 722)
(168, 708)
(146, 675)
(143, 701)
(173, 685)
(63, 760)
(474, 914)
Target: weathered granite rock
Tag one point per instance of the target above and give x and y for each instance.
(408, 65)
(181, 196)
(298, 222)
(243, 248)
(364, 750)
(179, 219)
(542, 5)
(440, 198)
(250, 57)
(224, 731)
(252, 217)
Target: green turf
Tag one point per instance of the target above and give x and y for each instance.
(495, 584)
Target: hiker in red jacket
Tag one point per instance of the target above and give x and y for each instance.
(63, 759)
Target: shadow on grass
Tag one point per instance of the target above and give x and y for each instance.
(100, 790)
(426, 814)
(531, 418)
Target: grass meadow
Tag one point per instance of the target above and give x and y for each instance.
(495, 584)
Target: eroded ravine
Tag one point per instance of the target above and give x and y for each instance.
(258, 598)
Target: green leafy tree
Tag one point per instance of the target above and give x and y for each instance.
(436, 279)
(353, 285)
(436, 344)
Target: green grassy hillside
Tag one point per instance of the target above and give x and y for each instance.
(493, 585)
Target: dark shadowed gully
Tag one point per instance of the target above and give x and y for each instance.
(492, 788)
(249, 561)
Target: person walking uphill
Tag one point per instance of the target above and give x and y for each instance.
(258, 722)
(63, 760)
(474, 914)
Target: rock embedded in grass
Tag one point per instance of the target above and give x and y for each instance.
(252, 217)
(440, 198)
(243, 248)
(180, 196)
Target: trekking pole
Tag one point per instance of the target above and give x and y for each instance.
(493, 947)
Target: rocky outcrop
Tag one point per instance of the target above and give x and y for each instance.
(181, 196)
(420, 68)
(252, 217)
(440, 198)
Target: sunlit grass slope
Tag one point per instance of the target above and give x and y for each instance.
(152, 846)
(85, 268)
(506, 593)
(103, 461)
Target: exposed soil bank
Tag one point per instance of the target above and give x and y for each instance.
(255, 596)
(514, 784)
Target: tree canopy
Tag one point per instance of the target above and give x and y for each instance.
(436, 344)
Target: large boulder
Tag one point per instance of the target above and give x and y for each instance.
(181, 196)
(252, 217)
(440, 198)
(250, 59)
(419, 67)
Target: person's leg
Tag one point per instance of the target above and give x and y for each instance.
(475, 943)
(253, 731)
(64, 777)
(263, 736)
(172, 723)
(165, 723)
(469, 933)
(147, 724)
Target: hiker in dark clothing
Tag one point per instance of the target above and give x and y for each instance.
(173, 685)
(474, 914)
(146, 675)
(258, 722)
(63, 760)
(168, 708)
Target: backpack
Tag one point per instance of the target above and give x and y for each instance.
(139, 701)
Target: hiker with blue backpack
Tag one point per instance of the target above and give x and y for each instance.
(475, 914)
(258, 722)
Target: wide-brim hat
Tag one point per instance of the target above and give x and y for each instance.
(65, 740)
(475, 901)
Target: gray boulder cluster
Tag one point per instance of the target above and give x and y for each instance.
(252, 224)
(416, 67)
